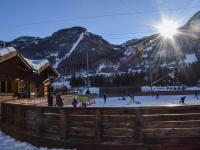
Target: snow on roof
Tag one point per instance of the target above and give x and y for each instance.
(6, 50)
(37, 64)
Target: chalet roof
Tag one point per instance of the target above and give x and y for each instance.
(6, 50)
(36, 65)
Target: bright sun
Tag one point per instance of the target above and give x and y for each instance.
(167, 28)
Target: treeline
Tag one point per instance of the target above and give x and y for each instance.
(188, 75)
(127, 79)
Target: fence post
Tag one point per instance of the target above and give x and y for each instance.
(22, 118)
(139, 127)
(98, 126)
(64, 124)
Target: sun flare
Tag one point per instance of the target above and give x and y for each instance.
(167, 28)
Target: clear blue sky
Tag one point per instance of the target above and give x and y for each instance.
(18, 16)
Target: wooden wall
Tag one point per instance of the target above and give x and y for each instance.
(145, 127)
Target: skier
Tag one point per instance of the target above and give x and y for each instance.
(196, 94)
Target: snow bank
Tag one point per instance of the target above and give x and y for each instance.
(8, 143)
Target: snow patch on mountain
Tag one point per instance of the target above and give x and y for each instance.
(190, 58)
(71, 50)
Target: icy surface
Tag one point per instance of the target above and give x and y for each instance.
(163, 100)
(6, 50)
(71, 50)
(8, 143)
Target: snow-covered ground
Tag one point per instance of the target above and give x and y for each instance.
(167, 100)
(8, 143)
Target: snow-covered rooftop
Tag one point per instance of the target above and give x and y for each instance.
(6, 50)
(35, 64)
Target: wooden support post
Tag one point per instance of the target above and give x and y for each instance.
(39, 120)
(139, 127)
(98, 126)
(22, 119)
(64, 124)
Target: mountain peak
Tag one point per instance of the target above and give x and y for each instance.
(195, 17)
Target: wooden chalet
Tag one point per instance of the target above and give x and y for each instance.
(22, 76)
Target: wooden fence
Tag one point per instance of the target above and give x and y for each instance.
(104, 128)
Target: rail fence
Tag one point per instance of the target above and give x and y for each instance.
(104, 128)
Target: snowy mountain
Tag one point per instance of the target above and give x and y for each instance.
(155, 51)
(68, 49)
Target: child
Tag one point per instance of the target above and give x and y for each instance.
(75, 102)
(132, 98)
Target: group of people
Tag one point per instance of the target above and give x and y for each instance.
(82, 99)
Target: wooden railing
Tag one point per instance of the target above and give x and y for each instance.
(141, 127)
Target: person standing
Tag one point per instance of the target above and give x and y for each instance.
(83, 100)
(75, 102)
(132, 98)
(59, 100)
(196, 94)
(104, 97)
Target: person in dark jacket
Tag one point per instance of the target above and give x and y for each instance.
(59, 100)
(104, 97)
(75, 102)
(196, 95)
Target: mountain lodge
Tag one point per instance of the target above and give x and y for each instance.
(23, 77)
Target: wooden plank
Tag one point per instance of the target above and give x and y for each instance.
(171, 117)
(171, 132)
(118, 118)
(63, 124)
(98, 126)
(81, 117)
(22, 119)
(81, 111)
(126, 125)
(172, 124)
(192, 141)
(107, 139)
(85, 124)
(118, 132)
(118, 112)
(170, 110)
(77, 131)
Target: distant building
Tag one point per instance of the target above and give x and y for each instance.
(19, 75)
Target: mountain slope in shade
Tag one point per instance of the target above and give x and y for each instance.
(67, 49)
